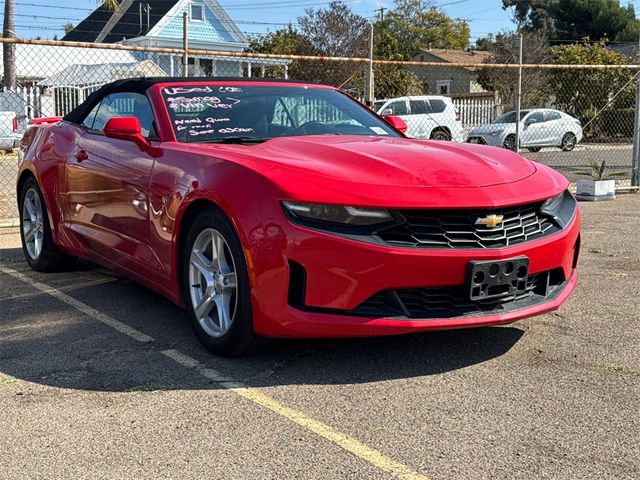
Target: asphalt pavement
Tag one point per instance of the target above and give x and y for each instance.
(102, 378)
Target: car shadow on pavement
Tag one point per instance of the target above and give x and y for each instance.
(47, 342)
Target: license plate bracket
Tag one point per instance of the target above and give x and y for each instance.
(496, 279)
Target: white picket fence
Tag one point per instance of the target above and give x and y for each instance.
(33, 101)
(477, 108)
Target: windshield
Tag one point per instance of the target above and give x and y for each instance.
(378, 104)
(510, 117)
(244, 113)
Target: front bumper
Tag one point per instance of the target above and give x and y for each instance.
(481, 139)
(341, 274)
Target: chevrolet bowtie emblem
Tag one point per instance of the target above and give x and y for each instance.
(491, 221)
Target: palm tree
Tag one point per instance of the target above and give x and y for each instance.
(9, 49)
(112, 5)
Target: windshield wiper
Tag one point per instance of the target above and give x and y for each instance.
(239, 140)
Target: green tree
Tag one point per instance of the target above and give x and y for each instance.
(419, 23)
(67, 27)
(572, 20)
(392, 80)
(589, 93)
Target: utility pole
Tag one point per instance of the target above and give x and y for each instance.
(185, 43)
(370, 88)
(381, 10)
(519, 99)
(635, 159)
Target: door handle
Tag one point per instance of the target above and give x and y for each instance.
(81, 156)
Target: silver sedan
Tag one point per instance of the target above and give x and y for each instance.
(540, 127)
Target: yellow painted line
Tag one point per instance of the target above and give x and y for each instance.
(78, 305)
(327, 432)
(348, 443)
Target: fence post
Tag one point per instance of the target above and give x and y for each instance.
(635, 159)
(371, 84)
(519, 99)
(185, 43)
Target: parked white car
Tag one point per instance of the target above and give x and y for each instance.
(9, 136)
(539, 127)
(434, 117)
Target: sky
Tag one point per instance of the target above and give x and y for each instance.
(45, 18)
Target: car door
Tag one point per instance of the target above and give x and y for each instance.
(534, 131)
(108, 181)
(423, 121)
(555, 128)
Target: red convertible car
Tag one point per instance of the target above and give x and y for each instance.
(287, 209)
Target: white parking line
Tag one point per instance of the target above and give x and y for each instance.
(327, 432)
(66, 288)
(78, 305)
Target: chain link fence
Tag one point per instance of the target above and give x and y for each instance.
(573, 118)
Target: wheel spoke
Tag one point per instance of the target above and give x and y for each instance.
(203, 309)
(222, 307)
(28, 236)
(28, 203)
(202, 264)
(218, 248)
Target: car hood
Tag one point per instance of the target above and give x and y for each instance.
(390, 162)
(493, 127)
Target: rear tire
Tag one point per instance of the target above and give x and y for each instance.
(38, 247)
(215, 286)
(441, 135)
(568, 142)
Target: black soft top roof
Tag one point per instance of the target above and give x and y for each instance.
(141, 85)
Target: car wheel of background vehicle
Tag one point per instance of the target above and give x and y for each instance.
(510, 142)
(568, 142)
(40, 251)
(534, 149)
(442, 135)
(216, 286)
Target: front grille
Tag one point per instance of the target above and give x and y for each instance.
(451, 302)
(458, 229)
(478, 140)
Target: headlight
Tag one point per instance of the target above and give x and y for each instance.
(561, 208)
(336, 214)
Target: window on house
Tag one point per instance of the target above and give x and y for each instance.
(443, 87)
(197, 12)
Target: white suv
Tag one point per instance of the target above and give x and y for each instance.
(431, 116)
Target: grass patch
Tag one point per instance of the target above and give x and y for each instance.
(153, 387)
(615, 367)
(6, 380)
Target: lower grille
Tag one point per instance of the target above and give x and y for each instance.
(478, 140)
(451, 302)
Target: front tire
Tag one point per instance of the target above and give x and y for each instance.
(510, 142)
(215, 286)
(38, 247)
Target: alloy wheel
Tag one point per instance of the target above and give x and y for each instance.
(213, 283)
(32, 223)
